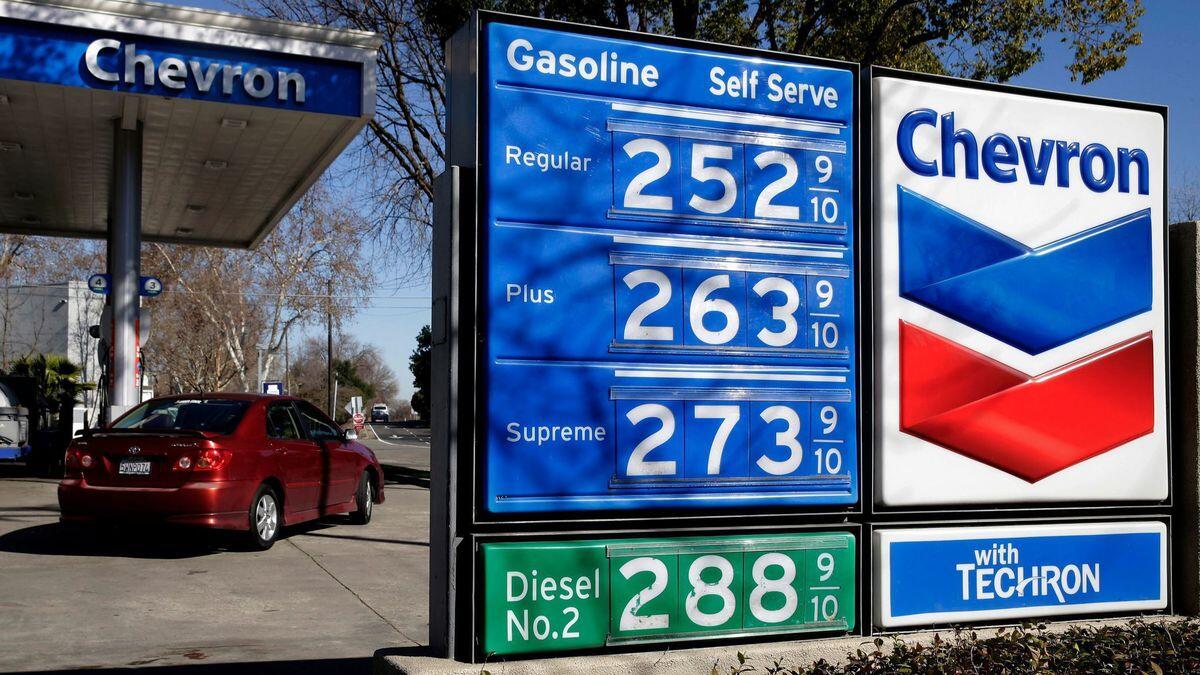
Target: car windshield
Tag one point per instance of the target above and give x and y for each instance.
(218, 415)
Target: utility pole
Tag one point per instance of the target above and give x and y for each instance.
(329, 343)
(287, 364)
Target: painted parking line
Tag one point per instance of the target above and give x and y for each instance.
(372, 428)
(416, 437)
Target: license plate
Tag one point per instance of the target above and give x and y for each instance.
(130, 467)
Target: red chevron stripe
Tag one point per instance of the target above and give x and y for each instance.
(1028, 427)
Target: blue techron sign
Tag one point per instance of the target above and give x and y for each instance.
(950, 575)
(669, 276)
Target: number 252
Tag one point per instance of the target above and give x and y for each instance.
(824, 209)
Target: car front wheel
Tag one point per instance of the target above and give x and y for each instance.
(364, 500)
(265, 518)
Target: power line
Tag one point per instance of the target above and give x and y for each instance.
(321, 296)
(63, 291)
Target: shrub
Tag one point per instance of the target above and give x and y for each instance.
(1138, 646)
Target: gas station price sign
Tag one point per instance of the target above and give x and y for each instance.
(568, 595)
(667, 272)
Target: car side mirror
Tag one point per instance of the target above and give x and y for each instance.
(350, 435)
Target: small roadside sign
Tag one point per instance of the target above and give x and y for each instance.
(273, 388)
(149, 287)
(99, 283)
(359, 420)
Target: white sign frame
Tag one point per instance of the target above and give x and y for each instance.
(911, 472)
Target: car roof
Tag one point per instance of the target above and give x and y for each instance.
(231, 396)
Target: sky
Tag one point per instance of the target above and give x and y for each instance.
(1164, 69)
(392, 312)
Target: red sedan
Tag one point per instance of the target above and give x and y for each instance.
(227, 461)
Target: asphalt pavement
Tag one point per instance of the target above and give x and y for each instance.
(323, 599)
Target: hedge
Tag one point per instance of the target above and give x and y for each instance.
(1138, 646)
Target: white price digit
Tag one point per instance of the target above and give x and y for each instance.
(825, 334)
(782, 585)
(729, 416)
(638, 466)
(824, 293)
(785, 312)
(829, 418)
(702, 173)
(701, 588)
(825, 209)
(701, 305)
(828, 608)
(630, 619)
(635, 328)
(634, 198)
(829, 460)
(824, 167)
(763, 208)
(825, 565)
(786, 438)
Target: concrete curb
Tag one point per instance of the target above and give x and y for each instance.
(699, 661)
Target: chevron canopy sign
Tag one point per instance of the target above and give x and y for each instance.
(1020, 304)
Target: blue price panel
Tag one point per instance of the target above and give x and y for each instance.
(669, 277)
(625, 435)
(605, 294)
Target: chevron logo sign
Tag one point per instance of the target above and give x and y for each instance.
(1030, 427)
(1032, 299)
(1020, 305)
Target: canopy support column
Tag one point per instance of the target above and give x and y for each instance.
(124, 267)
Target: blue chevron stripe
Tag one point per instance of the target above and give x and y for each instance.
(1034, 299)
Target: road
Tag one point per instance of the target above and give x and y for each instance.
(323, 599)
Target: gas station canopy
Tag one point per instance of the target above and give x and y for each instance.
(238, 116)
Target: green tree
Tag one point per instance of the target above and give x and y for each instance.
(359, 368)
(983, 39)
(347, 373)
(421, 365)
(56, 380)
(351, 380)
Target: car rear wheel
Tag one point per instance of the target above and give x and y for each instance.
(364, 500)
(265, 518)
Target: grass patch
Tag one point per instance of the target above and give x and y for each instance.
(1135, 647)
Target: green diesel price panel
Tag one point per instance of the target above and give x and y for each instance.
(561, 595)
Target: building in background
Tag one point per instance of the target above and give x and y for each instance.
(54, 319)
